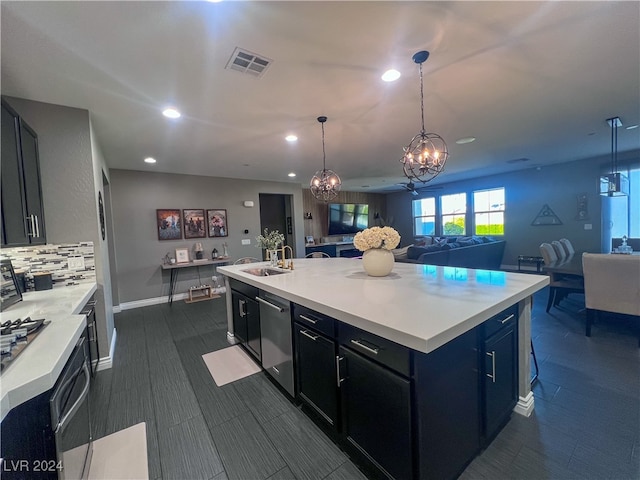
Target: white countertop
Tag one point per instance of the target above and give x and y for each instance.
(419, 306)
(37, 368)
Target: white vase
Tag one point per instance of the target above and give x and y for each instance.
(378, 262)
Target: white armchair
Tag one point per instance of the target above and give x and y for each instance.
(611, 284)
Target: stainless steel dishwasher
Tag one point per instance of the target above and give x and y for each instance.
(275, 332)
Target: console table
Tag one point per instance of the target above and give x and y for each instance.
(174, 267)
(334, 249)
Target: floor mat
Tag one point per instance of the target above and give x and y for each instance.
(121, 455)
(230, 364)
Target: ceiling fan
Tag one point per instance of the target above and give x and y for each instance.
(413, 188)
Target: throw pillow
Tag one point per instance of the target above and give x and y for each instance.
(401, 253)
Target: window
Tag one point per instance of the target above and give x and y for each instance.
(424, 216)
(454, 211)
(488, 209)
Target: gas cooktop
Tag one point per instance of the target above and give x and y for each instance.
(16, 336)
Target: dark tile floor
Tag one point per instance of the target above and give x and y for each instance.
(586, 422)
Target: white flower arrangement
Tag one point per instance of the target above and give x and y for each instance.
(270, 240)
(376, 237)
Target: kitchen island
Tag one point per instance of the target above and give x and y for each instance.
(418, 356)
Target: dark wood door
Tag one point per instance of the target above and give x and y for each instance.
(316, 368)
(13, 209)
(500, 380)
(239, 302)
(32, 185)
(376, 413)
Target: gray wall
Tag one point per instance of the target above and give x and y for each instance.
(526, 192)
(71, 167)
(135, 196)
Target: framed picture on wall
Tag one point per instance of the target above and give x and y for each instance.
(217, 222)
(182, 255)
(194, 226)
(169, 224)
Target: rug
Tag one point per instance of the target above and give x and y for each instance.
(121, 455)
(230, 364)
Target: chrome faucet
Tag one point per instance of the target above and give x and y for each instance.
(283, 263)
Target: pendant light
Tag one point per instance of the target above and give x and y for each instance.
(614, 184)
(325, 184)
(424, 158)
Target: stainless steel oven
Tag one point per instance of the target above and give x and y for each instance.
(70, 419)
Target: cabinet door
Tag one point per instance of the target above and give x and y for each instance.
(239, 307)
(376, 413)
(32, 188)
(316, 368)
(500, 380)
(253, 329)
(13, 208)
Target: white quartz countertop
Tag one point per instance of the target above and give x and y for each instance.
(37, 368)
(419, 306)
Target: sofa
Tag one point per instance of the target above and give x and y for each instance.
(467, 252)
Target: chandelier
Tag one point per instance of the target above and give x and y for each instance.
(614, 184)
(424, 158)
(325, 184)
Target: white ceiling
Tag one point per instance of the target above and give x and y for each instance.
(532, 80)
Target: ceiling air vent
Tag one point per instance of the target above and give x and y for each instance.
(244, 61)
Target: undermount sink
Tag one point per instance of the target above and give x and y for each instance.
(264, 272)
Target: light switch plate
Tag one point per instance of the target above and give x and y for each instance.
(588, 226)
(76, 263)
(246, 241)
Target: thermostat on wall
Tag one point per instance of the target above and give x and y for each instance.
(248, 203)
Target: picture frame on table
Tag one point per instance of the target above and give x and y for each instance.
(194, 225)
(310, 240)
(169, 224)
(217, 223)
(182, 255)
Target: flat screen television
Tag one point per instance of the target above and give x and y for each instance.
(348, 218)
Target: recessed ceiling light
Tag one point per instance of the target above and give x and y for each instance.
(291, 138)
(462, 141)
(390, 75)
(149, 160)
(292, 174)
(631, 127)
(171, 113)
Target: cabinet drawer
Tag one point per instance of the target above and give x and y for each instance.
(506, 318)
(315, 320)
(377, 348)
(248, 290)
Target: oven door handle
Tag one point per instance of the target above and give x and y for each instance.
(81, 398)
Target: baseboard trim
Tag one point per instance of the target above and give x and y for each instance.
(525, 405)
(107, 362)
(147, 302)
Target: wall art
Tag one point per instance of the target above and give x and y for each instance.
(169, 224)
(217, 222)
(194, 226)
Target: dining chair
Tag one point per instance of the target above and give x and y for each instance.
(317, 255)
(568, 246)
(611, 284)
(559, 285)
(246, 260)
(560, 251)
(548, 253)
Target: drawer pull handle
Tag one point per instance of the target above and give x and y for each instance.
(307, 334)
(308, 319)
(492, 375)
(508, 318)
(338, 379)
(359, 343)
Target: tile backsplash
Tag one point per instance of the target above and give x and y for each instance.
(68, 263)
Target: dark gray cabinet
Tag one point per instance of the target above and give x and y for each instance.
(22, 209)
(499, 363)
(246, 317)
(401, 413)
